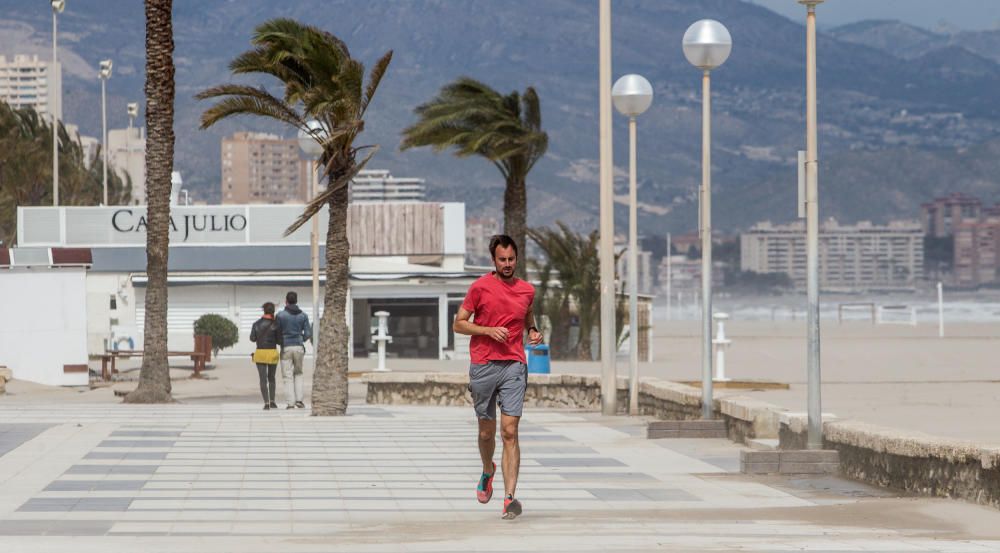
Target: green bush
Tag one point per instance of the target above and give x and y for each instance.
(224, 332)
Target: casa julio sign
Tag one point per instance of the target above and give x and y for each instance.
(189, 225)
(126, 220)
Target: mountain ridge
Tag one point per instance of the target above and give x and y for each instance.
(876, 111)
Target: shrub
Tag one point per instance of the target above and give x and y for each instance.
(224, 332)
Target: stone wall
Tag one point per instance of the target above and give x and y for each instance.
(907, 460)
(745, 418)
(544, 390)
(5, 375)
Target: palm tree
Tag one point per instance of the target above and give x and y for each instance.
(571, 256)
(154, 376)
(474, 119)
(321, 82)
(26, 169)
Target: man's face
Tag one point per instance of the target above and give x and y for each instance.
(505, 261)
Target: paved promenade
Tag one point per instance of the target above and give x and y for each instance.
(229, 477)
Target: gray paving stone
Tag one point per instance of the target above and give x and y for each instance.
(12, 435)
(94, 485)
(580, 462)
(146, 434)
(584, 476)
(130, 455)
(137, 443)
(112, 469)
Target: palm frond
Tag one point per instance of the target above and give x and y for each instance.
(374, 78)
(246, 100)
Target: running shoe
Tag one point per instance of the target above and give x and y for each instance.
(511, 508)
(484, 491)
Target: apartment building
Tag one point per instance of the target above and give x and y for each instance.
(28, 82)
(851, 257)
(260, 168)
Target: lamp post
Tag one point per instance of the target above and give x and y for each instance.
(57, 8)
(609, 379)
(815, 433)
(313, 149)
(632, 96)
(706, 44)
(105, 74)
(132, 108)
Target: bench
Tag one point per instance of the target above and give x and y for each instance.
(201, 355)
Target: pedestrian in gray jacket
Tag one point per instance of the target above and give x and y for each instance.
(295, 330)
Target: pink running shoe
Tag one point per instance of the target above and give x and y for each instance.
(511, 508)
(484, 491)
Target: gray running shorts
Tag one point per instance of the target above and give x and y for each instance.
(498, 382)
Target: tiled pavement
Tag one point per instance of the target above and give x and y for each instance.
(233, 478)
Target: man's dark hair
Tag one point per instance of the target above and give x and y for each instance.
(292, 298)
(269, 308)
(501, 241)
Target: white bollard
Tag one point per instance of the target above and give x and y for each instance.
(721, 343)
(382, 338)
(940, 291)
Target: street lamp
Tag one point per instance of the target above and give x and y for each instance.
(105, 74)
(632, 96)
(609, 377)
(132, 108)
(706, 44)
(57, 8)
(313, 149)
(815, 433)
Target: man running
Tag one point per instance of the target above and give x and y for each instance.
(501, 305)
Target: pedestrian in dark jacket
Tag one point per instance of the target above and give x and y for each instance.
(296, 330)
(267, 334)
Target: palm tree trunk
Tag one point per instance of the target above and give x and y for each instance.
(329, 396)
(154, 377)
(515, 211)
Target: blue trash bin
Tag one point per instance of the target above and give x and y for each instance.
(538, 359)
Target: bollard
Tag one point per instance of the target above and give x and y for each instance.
(382, 338)
(721, 343)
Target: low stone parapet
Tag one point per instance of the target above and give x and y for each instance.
(544, 390)
(907, 460)
(5, 375)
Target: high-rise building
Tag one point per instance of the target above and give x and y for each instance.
(27, 82)
(851, 257)
(940, 217)
(977, 250)
(380, 186)
(127, 157)
(262, 168)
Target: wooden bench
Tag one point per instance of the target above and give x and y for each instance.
(201, 356)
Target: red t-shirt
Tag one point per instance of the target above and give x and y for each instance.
(494, 302)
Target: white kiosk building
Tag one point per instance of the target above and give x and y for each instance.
(406, 258)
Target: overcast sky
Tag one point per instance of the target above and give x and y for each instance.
(965, 14)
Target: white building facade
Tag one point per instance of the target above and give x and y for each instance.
(127, 157)
(851, 257)
(406, 258)
(28, 82)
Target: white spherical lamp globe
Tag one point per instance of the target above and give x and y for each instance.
(707, 44)
(632, 95)
(307, 143)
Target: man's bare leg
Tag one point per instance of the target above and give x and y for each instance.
(511, 452)
(487, 443)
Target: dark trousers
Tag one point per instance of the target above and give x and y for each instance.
(266, 374)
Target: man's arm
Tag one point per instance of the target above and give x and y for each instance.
(464, 326)
(307, 330)
(534, 336)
